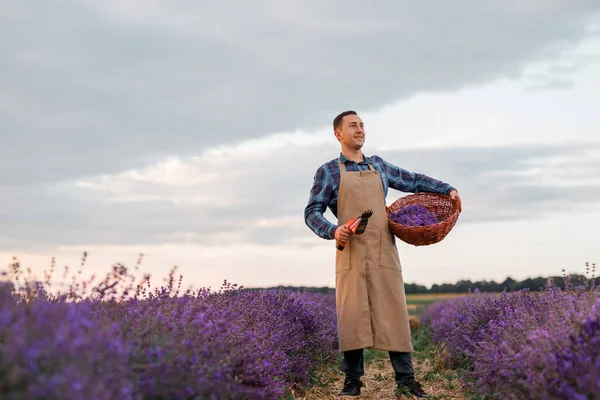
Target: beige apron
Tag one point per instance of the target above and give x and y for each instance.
(370, 298)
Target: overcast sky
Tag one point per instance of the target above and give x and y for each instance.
(192, 132)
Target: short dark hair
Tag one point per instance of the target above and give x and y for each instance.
(337, 121)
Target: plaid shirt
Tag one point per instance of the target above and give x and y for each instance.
(324, 191)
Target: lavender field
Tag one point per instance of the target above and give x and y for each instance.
(522, 345)
(116, 339)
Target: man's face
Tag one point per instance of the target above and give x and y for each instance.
(351, 134)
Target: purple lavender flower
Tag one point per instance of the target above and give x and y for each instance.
(234, 344)
(523, 344)
(414, 215)
(56, 350)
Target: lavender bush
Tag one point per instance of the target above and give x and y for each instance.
(118, 339)
(57, 350)
(523, 344)
(414, 215)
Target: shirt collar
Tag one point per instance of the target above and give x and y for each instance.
(343, 159)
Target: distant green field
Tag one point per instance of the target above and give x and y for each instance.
(417, 303)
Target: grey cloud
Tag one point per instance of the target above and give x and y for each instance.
(90, 90)
(548, 82)
(276, 186)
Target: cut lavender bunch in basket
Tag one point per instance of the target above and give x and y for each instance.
(414, 215)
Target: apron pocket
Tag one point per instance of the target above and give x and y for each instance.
(342, 258)
(388, 252)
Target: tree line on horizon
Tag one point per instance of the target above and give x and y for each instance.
(466, 286)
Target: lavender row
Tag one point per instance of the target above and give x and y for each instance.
(537, 345)
(234, 344)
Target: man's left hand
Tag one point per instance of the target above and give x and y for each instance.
(454, 195)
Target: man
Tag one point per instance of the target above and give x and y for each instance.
(370, 299)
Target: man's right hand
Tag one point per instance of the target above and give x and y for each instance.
(342, 234)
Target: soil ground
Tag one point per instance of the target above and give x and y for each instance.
(437, 381)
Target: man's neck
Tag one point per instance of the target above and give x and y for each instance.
(355, 155)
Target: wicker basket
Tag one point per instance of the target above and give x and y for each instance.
(445, 209)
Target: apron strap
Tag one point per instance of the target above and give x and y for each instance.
(343, 166)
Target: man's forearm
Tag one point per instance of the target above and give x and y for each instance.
(320, 225)
(407, 181)
(319, 198)
(428, 184)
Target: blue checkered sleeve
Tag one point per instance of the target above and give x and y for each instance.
(321, 196)
(412, 182)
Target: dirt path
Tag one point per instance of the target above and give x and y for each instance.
(379, 381)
